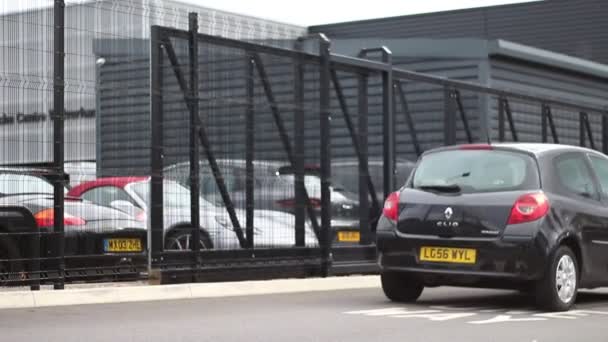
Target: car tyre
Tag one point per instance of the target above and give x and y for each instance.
(180, 239)
(400, 287)
(557, 290)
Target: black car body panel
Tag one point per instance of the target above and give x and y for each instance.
(100, 223)
(508, 255)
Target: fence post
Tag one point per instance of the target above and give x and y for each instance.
(463, 115)
(581, 129)
(364, 213)
(544, 120)
(155, 225)
(509, 113)
(299, 150)
(195, 219)
(449, 127)
(58, 138)
(588, 130)
(388, 124)
(325, 124)
(250, 152)
(501, 120)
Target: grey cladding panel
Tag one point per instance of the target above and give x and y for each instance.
(576, 28)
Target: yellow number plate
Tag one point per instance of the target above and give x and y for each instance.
(445, 254)
(122, 245)
(348, 236)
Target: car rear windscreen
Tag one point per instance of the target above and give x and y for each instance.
(473, 171)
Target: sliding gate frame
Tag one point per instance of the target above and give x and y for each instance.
(196, 264)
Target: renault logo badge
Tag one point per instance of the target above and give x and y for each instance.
(448, 213)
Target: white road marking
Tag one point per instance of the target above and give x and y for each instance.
(433, 313)
(438, 316)
(467, 308)
(572, 314)
(507, 318)
(378, 312)
(520, 312)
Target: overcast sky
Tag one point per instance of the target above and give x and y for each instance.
(311, 12)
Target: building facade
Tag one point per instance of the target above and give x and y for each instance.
(26, 72)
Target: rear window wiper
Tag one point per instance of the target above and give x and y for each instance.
(440, 187)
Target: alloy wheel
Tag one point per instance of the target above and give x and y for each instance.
(565, 278)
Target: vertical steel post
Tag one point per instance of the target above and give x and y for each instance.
(58, 137)
(581, 129)
(510, 119)
(388, 124)
(195, 219)
(551, 124)
(299, 149)
(588, 130)
(501, 119)
(605, 133)
(325, 125)
(364, 213)
(463, 115)
(250, 151)
(544, 123)
(155, 225)
(449, 127)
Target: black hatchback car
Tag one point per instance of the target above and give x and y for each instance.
(532, 217)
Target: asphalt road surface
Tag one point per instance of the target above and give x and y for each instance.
(442, 314)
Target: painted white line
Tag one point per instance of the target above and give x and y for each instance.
(507, 318)
(572, 314)
(437, 315)
(520, 312)
(378, 312)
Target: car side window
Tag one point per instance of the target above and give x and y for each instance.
(600, 166)
(105, 195)
(575, 176)
(209, 184)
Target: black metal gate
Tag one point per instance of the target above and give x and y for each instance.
(248, 103)
(293, 88)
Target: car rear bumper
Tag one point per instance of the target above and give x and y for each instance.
(499, 261)
(89, 242)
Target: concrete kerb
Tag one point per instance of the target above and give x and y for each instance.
(123, 294)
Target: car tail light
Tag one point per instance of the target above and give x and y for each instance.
(476, 147)
(529, 207)
(291, 203)
(391, 206)
(46, 218)
(142, 217)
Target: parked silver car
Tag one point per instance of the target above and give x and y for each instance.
(131, 195)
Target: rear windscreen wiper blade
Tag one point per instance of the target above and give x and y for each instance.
(440, 188)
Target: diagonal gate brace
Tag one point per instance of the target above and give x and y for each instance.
(202, 133)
